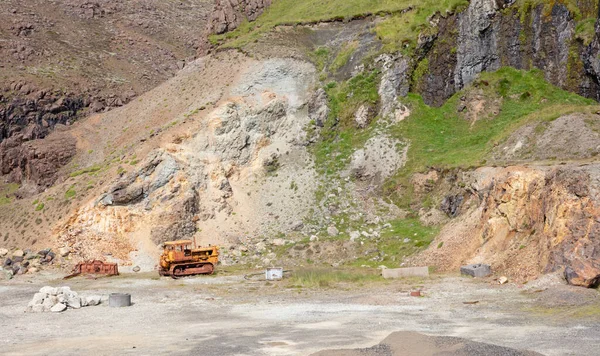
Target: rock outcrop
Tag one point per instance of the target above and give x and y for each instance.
(526, 221)
(227, 15)
(490, 34)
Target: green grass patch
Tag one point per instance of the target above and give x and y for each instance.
(290, 12)
(39, 207)
(327, 277)
(441, 137)
(566, 311)
(319, 57)
(401, 31)
(344, 56)
(92, 169)
(6, 192)
(586, 30)
(70, 193)
(391, 246)
(339, 138)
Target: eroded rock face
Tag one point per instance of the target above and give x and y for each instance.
(227, 15)
(394, 83)
(242, 172)
(490, 34)
(378, 160)
(36, 162)
(157, 170)
(477, 44)
(527, 221)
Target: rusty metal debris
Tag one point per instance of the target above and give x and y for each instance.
(95, 267)
(415, 293)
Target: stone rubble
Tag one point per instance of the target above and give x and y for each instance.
(21, 262)
(57, 300)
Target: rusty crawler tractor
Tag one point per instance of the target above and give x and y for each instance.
(179, 259)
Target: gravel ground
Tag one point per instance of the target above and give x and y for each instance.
(227, 315)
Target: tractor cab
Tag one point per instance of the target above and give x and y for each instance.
(177, 250)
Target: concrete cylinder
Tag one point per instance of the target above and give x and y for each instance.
(118, 300)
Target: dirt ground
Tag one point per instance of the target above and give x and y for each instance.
(226, 314)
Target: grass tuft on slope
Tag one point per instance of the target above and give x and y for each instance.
(290, 12)
(442, 137)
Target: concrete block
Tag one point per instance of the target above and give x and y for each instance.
(479, 270)
(405, 272)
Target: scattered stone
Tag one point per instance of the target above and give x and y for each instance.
(6, 274)
(58, 308)
(278, 242)
(49, 302)
(64, 251)
(583, 275)
(18, 254)
(3, 252)
(362, 116)
(93, 300)
(354, 235)
(332, 231)
(33, 270)
(136, 269)
(406, 240)
(314, 238)
(49, 290)
(297, 226)
(74, 302)
(502, 280)
(58, 300)
(479, 270)
(43, 253)
(261, 247)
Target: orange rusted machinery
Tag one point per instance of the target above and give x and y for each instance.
(179, 259)
(95, 267)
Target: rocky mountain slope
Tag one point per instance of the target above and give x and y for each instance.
(385, 133)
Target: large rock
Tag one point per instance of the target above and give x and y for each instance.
(394, 83)
(64, 251)
(49, 290)
(381, 157)
(490, 34)
(74, 302)
(332, 231)
(49, 302)
(318, 109)
(58, 308)
(93, 300)
(479, 270)
(38, 299)
(18, 254)
(583, 274)
(227, 15)
(5, 274)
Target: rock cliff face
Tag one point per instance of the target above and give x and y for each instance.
(227, 15)
(27, 116)
(490, 34)
(525, 222)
